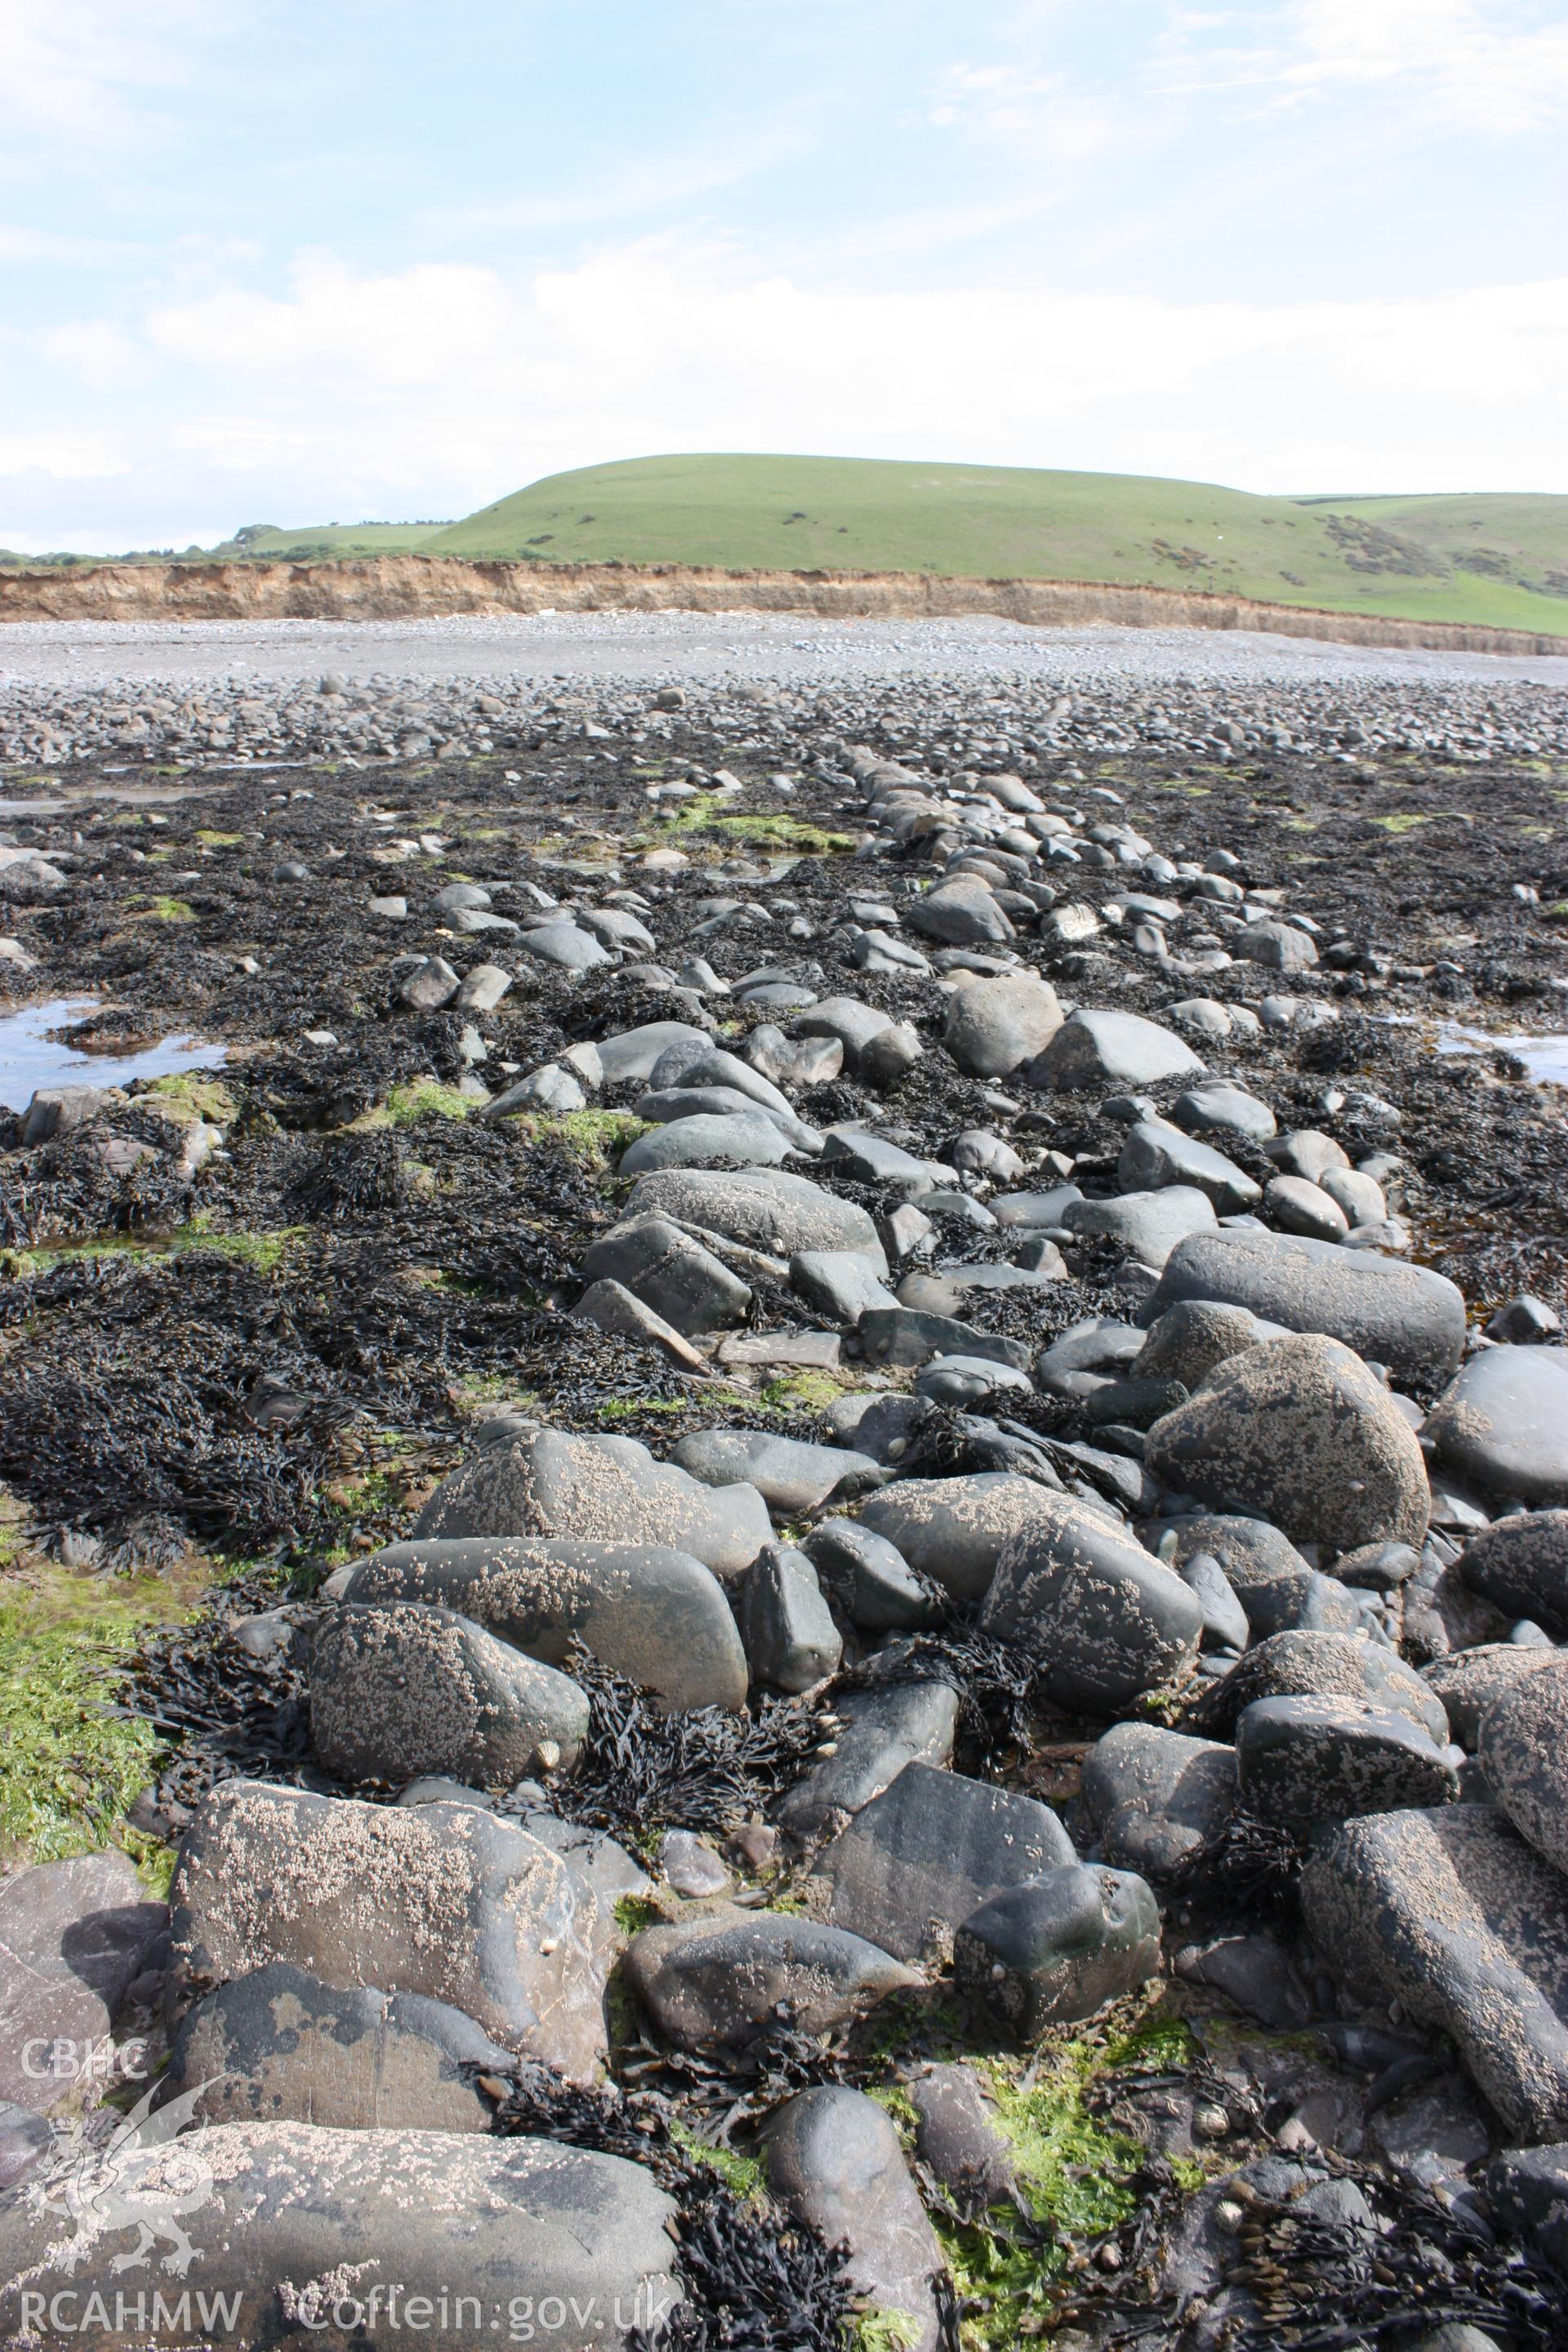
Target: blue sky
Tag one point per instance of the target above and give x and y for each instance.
(263, 260)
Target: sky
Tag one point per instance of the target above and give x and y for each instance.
(295, 261)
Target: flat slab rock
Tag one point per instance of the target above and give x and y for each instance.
(285, 2216)
(279, 2045)
(1453, 1915)
(72, 1938)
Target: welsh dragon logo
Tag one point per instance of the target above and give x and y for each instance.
(142, 2177)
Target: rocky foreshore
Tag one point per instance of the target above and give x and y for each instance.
(863, 1385)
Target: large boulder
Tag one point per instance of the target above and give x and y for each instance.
(671, 1272)
(791, 1475)
(1453, 1915)
(880, 1730)
(1116, 1049)
(1300, 1430)
(1305, 1760)
(724, 1980)
(916, 1861)
(1107, 1619)
(401, 1687)
(996, 1022)
(653, 1613)
(446, 1900)
(1523, 1752)
(834, 2159)
(1059, 1947)
(1315, 1664)
(1502, 1425)
(1157, 1154)
(764, 1208)
(1521, 1565)
(953, 1530)
(748, 1139)
(279, 2045)
(550, 1482)
(292, 2225)
(1403, 1316)
(1156, 1796)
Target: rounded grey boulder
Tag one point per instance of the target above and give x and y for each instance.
(1156, 1796)
(1521, 1564)
(1405, 1317)
(1305, 1760)
(766, 1208)
(1523, 1751)
(1156, 1154)
(1308, 1663)
(1299, 1430)
(654, 1615)
(1059, 1947)
(792, 1476)
(1119, 1049)
(747, 1139)
(724, 1980)
(1503, 1424)
(834, 2158)
(1109, 1619)
(600, 1490)
(402, 1687)
(995, 1022)
(952, 1529)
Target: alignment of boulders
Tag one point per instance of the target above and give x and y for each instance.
(1267, 1550)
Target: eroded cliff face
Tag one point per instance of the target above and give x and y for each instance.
(393, 587)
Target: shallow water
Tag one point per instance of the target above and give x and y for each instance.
(1545, 1057)
(31, 1058)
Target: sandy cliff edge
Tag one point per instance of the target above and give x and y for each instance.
(395, 587)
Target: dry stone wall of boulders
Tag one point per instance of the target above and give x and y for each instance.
(1054, 1353)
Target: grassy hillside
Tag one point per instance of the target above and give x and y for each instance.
(330, 539)
(1484, 559)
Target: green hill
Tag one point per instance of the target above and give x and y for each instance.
(330, 539)
(1500, 562)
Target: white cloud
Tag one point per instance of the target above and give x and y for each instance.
(648, 185)
(60, 456)
(97, 354)
(83, 71)
(438, 387)
(1490, 66)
